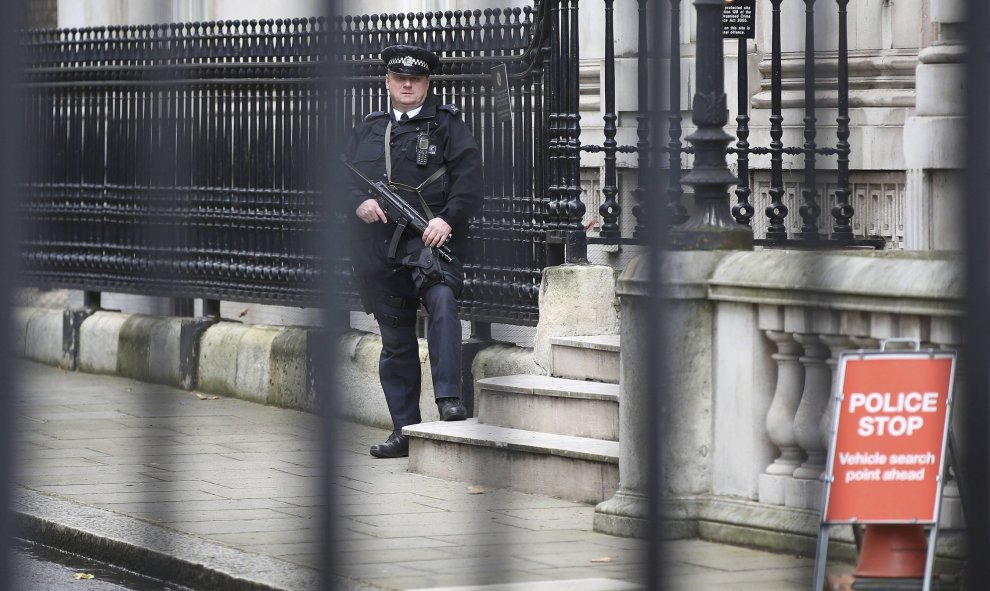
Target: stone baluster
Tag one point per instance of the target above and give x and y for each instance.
(780, 418)
(836, 345)
(805, 490)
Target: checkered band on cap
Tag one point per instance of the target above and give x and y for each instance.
(409, 61)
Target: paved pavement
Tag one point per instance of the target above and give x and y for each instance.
(223, 494)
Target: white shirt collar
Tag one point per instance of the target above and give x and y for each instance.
(411, 112)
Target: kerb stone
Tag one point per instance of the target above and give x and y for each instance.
(99, 342)
(39, 334)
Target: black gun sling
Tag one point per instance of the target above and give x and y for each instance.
(395, 185)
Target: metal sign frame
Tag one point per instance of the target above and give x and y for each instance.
(828, 476)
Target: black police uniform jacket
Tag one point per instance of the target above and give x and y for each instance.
(454, 197)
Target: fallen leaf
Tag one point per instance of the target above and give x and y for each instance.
(601, 559)
(243, 313)
(476, 490)
(81, 576)
(205, 397)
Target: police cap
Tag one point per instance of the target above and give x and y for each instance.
(409, 60)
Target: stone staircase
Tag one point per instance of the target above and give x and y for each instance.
(554, 435)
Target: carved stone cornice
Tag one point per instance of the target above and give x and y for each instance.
(875, 80)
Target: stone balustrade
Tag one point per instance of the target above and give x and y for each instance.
(774, 323)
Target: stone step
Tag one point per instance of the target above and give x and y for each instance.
(549, 405)
(596, 584)
(574, 468)
(586, 358)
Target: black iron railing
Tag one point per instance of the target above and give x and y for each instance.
(174, 159)
(814, 231)
(678, 157)
(171, 159)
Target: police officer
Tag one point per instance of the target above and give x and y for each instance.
(428, 155)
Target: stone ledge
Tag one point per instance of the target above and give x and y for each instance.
(538, 385)
(471, 432)
(607, 342)
(597, 584)
(492, 461)
(900, 283)
(782, 529)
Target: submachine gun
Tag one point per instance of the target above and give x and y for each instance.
(404, 216)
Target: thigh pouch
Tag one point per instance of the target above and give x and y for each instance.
(396, 311)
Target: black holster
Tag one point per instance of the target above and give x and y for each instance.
(428, 270)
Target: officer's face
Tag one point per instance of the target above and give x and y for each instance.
(407, 92)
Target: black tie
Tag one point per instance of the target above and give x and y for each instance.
(404, 117)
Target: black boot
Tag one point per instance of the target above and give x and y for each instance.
(396, 446)
(451, 409)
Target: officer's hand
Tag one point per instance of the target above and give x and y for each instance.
(437, 232)
(370, 212)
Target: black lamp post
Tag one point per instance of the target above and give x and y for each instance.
(711, 225)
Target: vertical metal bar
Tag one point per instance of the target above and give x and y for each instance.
(821, 555)
(742, 210)
(930, 554)
(843, 212)
(11, 14)
(335, 321)
(519, 218)
(809, 210)
(577, 239)
(710, 226)
(211, 308)
(657, 237)
(976, 404)
(776, 211)
(554, 120)
(642, 124)
(676, 212)
(609, 208)
(91, 300)
(181, 307)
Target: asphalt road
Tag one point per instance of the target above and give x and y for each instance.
(39, 568)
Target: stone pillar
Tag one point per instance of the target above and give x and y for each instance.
(933, 146)
(625, 514)
(780, 418)
(687, 432)
(575, 300)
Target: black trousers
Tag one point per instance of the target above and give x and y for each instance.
(399, 364)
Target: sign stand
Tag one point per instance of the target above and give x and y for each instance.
(891, 426)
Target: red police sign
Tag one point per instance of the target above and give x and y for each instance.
(889, 437)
